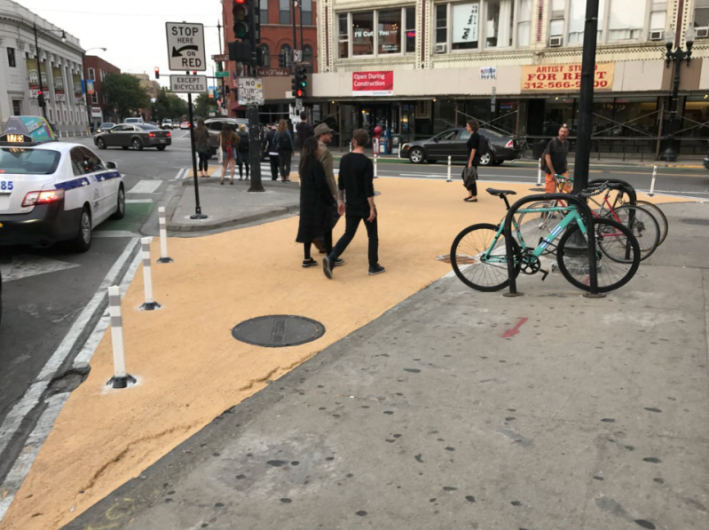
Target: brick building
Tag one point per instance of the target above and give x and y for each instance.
(96, 69)
(276, 37)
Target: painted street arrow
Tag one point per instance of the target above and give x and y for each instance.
(178, 53)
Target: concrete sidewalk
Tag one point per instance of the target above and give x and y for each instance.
(459, 409)
(230, 205)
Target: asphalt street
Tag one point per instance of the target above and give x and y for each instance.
(45, 291)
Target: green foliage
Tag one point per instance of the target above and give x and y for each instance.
(203, 105)
(169, 105)
(124, 93)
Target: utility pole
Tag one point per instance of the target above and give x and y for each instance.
(302, 42)
(252, 109)
(583, 132)
(39, 71)
(219, 30)
(295, 42)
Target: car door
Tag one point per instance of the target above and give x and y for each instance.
(442, 145)
(113, 137)
(78, 190)
(99, 191)
(108, 180)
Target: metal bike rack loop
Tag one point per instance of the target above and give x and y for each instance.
(627, 188)
(587, 218)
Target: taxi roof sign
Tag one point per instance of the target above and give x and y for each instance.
(16, 140)
(36, 128)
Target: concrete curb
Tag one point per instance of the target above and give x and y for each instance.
(208, 225)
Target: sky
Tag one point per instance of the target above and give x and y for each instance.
(133, 31)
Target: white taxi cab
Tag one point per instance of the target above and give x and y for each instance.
(53, 191)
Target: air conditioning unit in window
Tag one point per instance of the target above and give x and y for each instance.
(441, 48)
(701, 33)
(657, 35)
(555, 42)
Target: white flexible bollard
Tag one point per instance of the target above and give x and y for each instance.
(539, 174)
(376, 170)
(150, 304)
(164, 258)
(120, 378)
(449, 169)
(652, 183)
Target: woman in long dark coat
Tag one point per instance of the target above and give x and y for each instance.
(316, 201)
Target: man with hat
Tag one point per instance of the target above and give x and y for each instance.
(323, 134)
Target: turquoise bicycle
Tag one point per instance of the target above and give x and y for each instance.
(479, 253)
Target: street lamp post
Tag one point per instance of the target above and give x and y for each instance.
(39, 65)
(677, 57)
(86, 85)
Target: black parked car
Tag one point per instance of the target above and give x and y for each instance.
(135, 135)
(453, 143)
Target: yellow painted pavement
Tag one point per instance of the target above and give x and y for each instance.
(189, 367)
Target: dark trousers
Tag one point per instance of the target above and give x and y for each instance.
(203, 161)
(284, 163)
(274, 166)
(352, 223)
(327, 243)
(243, 161)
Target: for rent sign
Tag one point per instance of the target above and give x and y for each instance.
(373, 83)
(564, 77)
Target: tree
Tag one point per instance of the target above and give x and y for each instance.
(203, 105)
(169, 105)
(124, 93)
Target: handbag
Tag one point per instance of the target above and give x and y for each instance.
(470, 174)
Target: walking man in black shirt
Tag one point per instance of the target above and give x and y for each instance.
(356, 201)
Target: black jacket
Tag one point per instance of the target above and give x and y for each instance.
(316, 203)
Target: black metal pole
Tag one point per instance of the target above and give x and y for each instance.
(583, 131)
(86, 85)
(39, 72)
(300, 9)
(198, 209)
(670, 153)
(219, 30)
(295, 43)
(252, 112)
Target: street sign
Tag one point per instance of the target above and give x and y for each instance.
(250, 91)
(185, 46)
(221, 74)
(493, 99)
(297, 56)
(188, 84)
(298, 105)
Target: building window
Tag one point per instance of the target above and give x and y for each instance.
(92, 74)
(500, 20)
(343, 36)
(363, 33)
(51, 115)
(466, 26)
(410, 30)
(441, 24)
(306, 13)
(16, 107)
(701, 13)
(626, 21)
(658, 19)
(389, 31)
(284, 11)
(94, 98)
(524, 23)
(286, 52)
(308, 57)
(11, 57)
(263, 12)
(266, 52)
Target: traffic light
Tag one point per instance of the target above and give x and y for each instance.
(282, 60)
(301, 81)
(157, 72)
(219, 66)
(40, 99)
(294, 86)
(247, 26)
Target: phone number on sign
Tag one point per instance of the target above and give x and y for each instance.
(560, 85)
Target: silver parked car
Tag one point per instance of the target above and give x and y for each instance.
(136, 136)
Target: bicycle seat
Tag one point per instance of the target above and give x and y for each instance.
(500, 193)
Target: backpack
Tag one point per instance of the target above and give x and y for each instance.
(483, 146)
(243, 143)
(283, 142)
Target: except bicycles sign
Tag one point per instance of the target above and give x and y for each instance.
(564, 77)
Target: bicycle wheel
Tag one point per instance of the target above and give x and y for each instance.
(479, 258)
(612, 239)
(659, 217)
(642, 224)
(536, 226)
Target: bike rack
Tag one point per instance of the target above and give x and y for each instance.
(587, 217)
(632, 195)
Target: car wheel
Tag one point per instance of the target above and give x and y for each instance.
(487, 159)
(100, 143)
(137, 144)
(161, 147)
(121, 204)
(82, 241)
(416, 155)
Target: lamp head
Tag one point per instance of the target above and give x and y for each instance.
(689, 37)
(63, 36)
(669, 40)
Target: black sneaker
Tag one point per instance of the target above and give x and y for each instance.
(338, 262)
(327, 268)
(373, 271)
(309, 263)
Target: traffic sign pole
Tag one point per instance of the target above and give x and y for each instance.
(198, 209)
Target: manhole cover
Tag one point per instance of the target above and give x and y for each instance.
(696, 221)
(538, 189)
(278, 331)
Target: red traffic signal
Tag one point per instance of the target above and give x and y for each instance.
(157, 72)
(239, 1)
